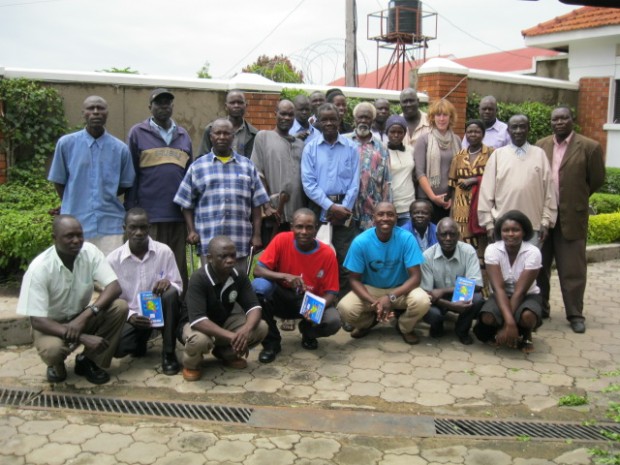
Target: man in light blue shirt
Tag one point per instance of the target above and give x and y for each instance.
(90, 169)
(330, 176)
(302, 129)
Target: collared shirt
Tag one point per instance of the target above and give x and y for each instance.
(278, 159)
(440, 272)
(430, 235)
(381, 136)
(313, 132)
(166, 134)
(375, 179)
(330, 170)
(135, 275)
(243, 141)
(496, 136)
(520, 151)
(209, 299)
(423, 127)
(92, 171)
(559, 149)
(528, 258)
(222, 196)
(51, 290)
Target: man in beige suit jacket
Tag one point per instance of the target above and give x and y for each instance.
(578, 170)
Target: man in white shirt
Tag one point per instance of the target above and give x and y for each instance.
(142, 265)
(56, 294)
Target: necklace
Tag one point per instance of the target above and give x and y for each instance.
(474, 153)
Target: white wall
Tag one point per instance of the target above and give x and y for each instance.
(594, 58)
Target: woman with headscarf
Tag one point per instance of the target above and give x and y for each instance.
(401, 167)
(433, 154)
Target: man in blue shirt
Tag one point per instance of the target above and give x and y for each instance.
(330, 176)
(384, 270)
(90, 169)
(302, 129)
(420, 225)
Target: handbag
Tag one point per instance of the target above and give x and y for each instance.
(473, 224)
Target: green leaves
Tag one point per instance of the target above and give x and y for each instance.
(604, 229)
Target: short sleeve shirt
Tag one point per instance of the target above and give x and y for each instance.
(383, 264)
(50, 290)
(528, 258)
(440, 272)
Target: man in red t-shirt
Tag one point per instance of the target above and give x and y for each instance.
(292, 263)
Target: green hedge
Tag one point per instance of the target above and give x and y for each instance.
(612, 181)
(25, 224)
(604, 229)
(605, 203)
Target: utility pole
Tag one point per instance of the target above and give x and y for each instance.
(350, 45)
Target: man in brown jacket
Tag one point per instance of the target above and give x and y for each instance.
(578, 170)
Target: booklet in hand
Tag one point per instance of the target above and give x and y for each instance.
(150, 305)
(312, 307)
(463, 289)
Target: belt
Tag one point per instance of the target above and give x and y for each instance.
(336, 198)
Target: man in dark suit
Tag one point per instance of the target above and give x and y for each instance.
(578, 170)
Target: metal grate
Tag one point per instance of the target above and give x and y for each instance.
(188, 411)
(533, 429)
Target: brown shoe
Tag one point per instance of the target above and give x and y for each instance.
(236, 363)
(191, 375)
(411, 338)
(359, 333)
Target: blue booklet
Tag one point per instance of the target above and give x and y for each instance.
(312, 307)
(463, 289)
(150, 305)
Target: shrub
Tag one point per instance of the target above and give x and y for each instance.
(612, 181)
(604, 229)
(605, 203)
(25, 224)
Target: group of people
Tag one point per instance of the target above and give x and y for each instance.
(407, 207)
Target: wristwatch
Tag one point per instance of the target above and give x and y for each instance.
(392, 298)
(92, 308)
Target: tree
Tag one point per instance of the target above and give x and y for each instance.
(114, 69)
(203, 73)
(277, 68)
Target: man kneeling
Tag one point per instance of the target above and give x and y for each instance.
(55, 294)
(210, 319)
(384, 265)
(293, 263)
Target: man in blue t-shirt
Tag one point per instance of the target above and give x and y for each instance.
(384, 274)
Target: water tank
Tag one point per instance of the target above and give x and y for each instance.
(404, 20)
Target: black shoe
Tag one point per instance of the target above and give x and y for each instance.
(268, 354)
(578, 326)
(436, 331)
(57, 373)
(309, 343)
(546, 311)
(465, 339)
(89, 369)
(347, 327)
(169, 363)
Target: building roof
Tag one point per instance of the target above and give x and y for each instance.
(588, 17)
(514, 61)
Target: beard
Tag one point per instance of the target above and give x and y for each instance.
(362, 130)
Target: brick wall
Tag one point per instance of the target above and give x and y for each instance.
(261, 109)
(593, 107)
(450, 86)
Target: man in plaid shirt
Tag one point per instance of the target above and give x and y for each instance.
(221, 194)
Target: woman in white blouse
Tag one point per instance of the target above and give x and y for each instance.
(514, 309)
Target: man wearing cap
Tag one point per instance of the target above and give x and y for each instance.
(244, 133)
(90, 169)
(161, 152)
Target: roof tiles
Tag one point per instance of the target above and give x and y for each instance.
(587, 17)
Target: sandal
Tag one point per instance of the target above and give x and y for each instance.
(287, 325)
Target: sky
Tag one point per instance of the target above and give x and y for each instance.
(175, 38)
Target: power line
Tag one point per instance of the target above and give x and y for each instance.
(265, 38)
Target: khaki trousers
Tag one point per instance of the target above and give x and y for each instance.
(107, 324)
(197, 344)
(361, 315)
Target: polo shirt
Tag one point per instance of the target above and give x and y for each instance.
(51, 290)
(440, 272)
(92, 171)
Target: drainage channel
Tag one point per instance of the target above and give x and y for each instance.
(306, 419)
